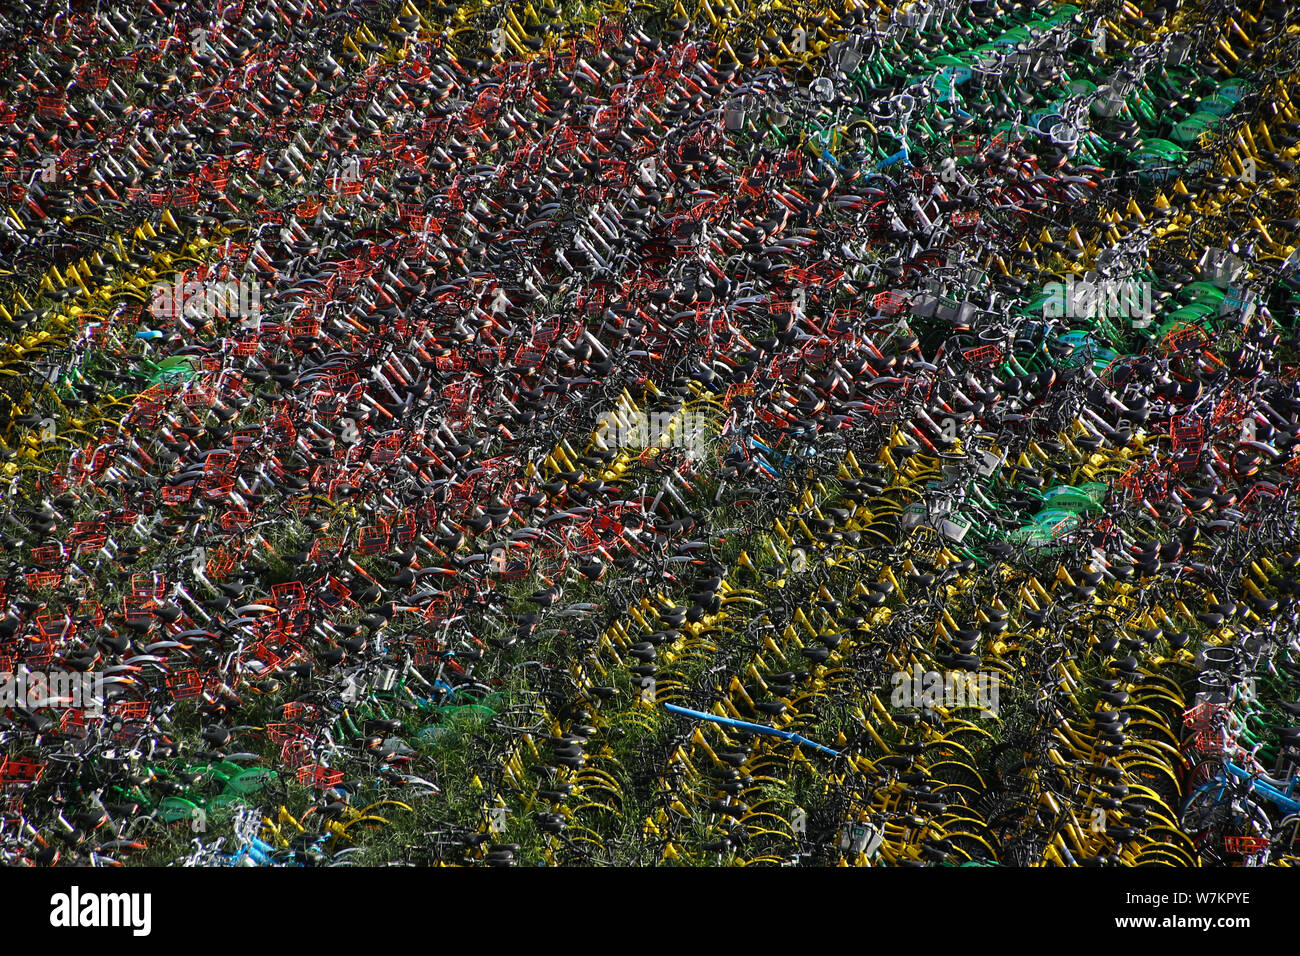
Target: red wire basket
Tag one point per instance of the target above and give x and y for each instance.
(129, 710)
(221, 561)
(280, 733)
(184, 685)
(43, 579)
(1245, 845)
(983, 355)
(52, 625)
(184, 196)
(290, 597)
(1204, 716)
(319, 777)
(296, 753)
(325, 548)
(335, 593)
(372, 538)
(174, 497)
(48, 555)
(90, 611)
(1184, 339)
(235, 520)
(20, 771)
(148, 588)
(51, 106)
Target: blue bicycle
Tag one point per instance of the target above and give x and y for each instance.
(1225, 817)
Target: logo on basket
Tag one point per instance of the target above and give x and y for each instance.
(74, 909)
(1100, 298)
(926, 690)
(62, 690)
(230, 300)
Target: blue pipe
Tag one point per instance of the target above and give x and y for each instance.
(890, 160)
(755, 728)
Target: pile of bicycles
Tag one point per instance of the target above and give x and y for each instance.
(649, 434)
